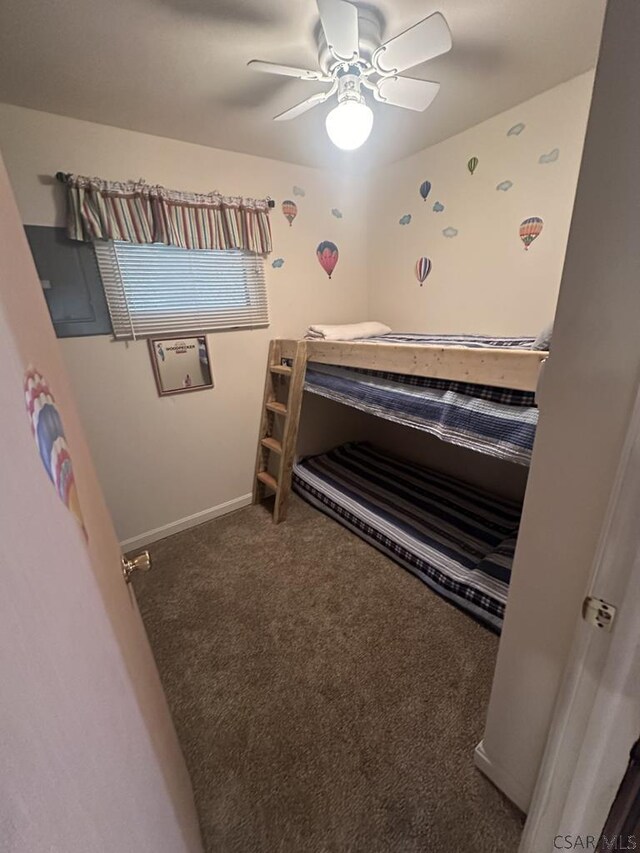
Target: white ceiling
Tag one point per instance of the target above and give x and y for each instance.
(177, 68)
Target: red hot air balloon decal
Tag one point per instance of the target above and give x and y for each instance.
(48, 432)
(423, 268)
(328, 255)
(290, 210)
(530, 229)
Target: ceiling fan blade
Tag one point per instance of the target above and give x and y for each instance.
(303, 106)
(286, 70)
(423, 41)
(340, 24)
(406, 92)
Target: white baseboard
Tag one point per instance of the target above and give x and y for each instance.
(509, 786)
(184, 523)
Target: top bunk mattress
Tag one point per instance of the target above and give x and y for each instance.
(499, 422)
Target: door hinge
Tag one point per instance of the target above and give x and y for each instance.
(600, 613)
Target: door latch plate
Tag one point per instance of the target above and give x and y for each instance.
(598, 613)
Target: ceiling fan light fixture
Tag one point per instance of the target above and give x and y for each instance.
(351, 58)
(349, 124)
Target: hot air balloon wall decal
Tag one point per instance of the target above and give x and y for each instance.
(47, 429)
(530, 230)
(290, 210)
(423, 268)
(327, 254)
(425, 189)
(472, 165)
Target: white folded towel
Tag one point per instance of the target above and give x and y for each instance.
(349, 332)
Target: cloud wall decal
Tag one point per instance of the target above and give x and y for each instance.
(551, 157)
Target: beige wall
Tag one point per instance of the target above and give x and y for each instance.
(482, 280)
(163, 460)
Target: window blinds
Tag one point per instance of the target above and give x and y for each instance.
(153, 289)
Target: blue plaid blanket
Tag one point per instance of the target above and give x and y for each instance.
(452, 340)
(456, 538)
(499, 422)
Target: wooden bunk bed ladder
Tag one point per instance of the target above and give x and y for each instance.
(279, 426)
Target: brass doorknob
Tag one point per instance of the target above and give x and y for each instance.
(141, 563)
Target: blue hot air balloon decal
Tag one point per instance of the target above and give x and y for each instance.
(423, 268)
(51, 442)
(425, 189)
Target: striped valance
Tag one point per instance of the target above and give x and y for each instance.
(136, 212)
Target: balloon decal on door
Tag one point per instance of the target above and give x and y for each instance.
(290, 210)
(530, 229)
(327, 254)
(472, 165)
(425, 189)
(48, 432)
(423, 268)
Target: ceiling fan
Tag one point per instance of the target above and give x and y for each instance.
(352, 58)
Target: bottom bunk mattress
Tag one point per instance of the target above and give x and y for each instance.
(456, 538)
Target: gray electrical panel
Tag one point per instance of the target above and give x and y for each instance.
(71, 283)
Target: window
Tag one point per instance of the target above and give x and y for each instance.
(153, 289)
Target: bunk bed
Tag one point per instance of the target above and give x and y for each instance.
(476, 392)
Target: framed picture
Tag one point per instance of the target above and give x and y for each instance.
(181, 364)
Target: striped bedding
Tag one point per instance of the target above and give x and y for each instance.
(455, 537)
(499, 422)
(452, 340)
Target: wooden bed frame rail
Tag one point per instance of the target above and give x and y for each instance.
(500, 367)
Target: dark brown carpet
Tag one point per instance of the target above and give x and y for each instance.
(325, 699)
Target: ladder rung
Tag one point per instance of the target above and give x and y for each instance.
(271, 444)
(268, 480)
(282, 369)
(278, 408)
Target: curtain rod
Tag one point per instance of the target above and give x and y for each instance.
(63, 177)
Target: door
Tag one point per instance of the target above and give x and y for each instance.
(597, 714)
(90, 759)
